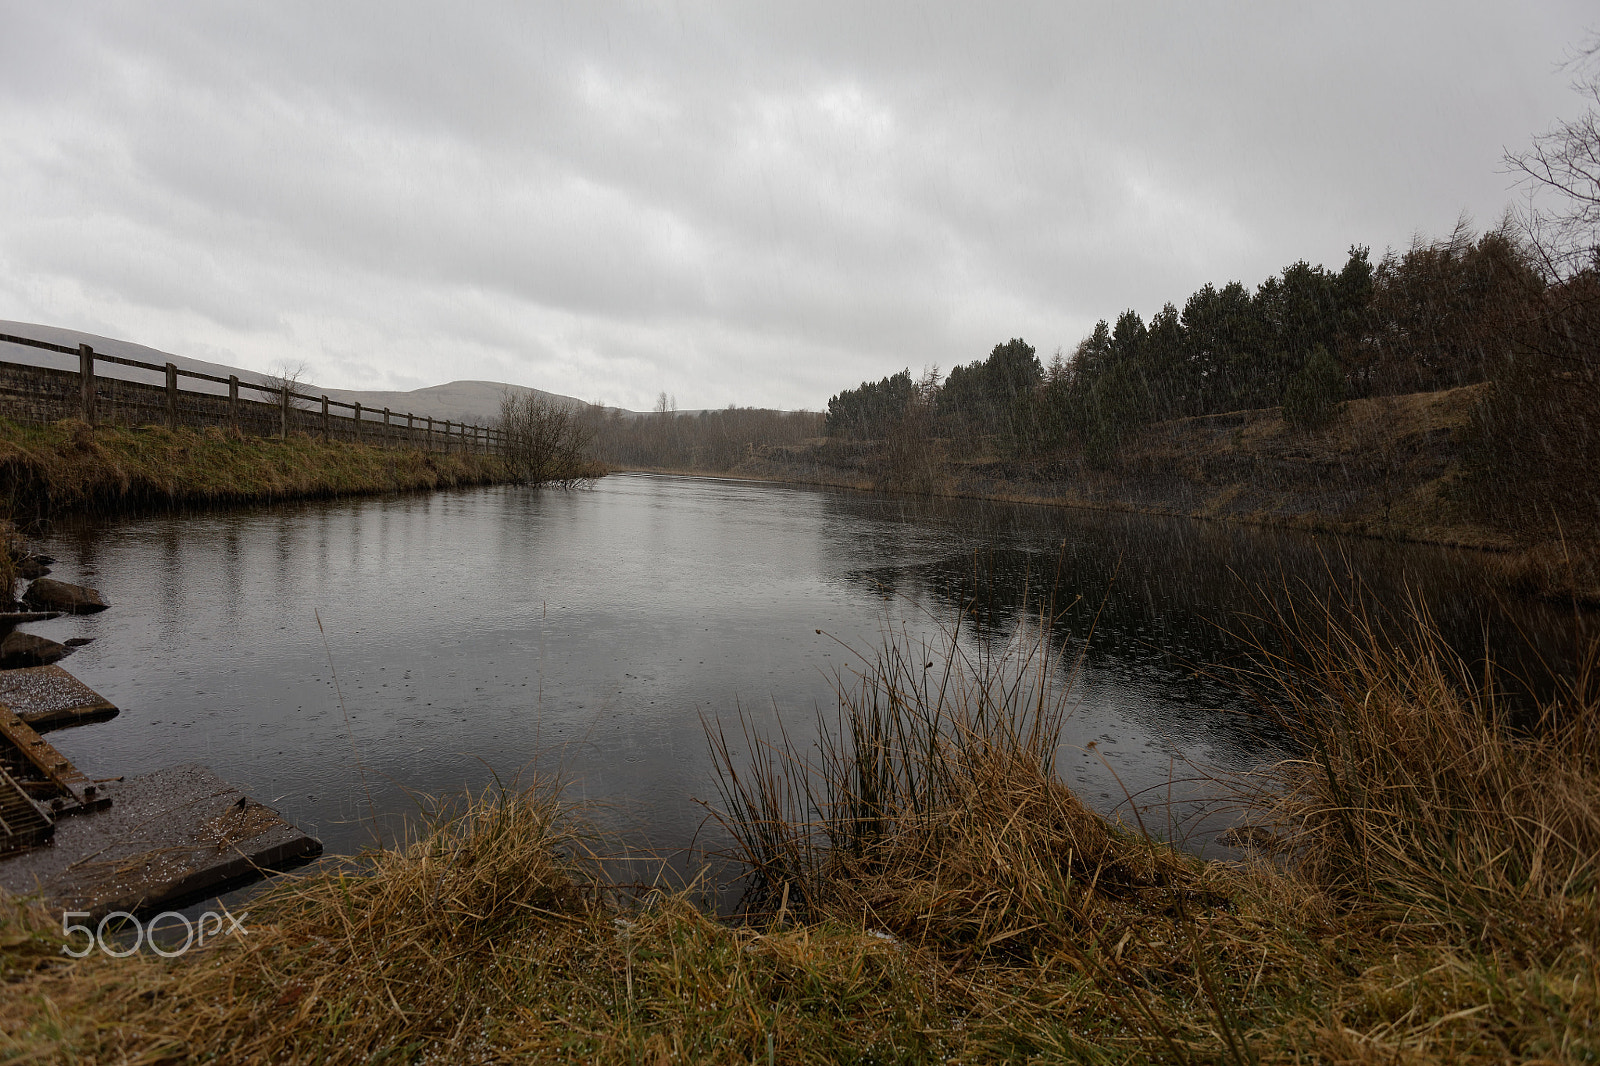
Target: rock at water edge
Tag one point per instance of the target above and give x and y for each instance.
(28, 649)
(61, 596)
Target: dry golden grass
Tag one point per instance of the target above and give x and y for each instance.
(493, 937)
(12, 548)
(68, 466)
(926, 889)
(1426, 802)
(1561, 570)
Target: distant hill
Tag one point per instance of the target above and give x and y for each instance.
(459, 401)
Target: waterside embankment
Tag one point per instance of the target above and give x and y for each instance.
(1418, 888)
(1393, 467)
(69, 467)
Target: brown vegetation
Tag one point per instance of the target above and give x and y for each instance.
(708, 442)
(71, 467)
(929, 890)
(544, 439)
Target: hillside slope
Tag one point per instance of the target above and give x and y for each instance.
(1384, 467)
(1391, 467)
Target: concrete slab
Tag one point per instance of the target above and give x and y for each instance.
(48, 697)
(169, 835)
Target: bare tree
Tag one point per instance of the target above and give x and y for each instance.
(293, 375)
(545, 439)
(1561, 173)
(1535, 443)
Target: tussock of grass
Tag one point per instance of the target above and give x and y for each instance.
(926, 889)
(933, 807)
(1564, 570)
(68, 466)
(1426, 804)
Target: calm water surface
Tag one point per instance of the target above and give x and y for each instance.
(498, 631)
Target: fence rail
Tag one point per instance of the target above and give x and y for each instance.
(42, 394)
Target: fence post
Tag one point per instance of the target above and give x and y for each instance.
(86, 374)
(358, 423)
(411, 430)
(447, 435)
(324, 418)
(386, 427)
(283, 412)
(172, 396)
(233, 400)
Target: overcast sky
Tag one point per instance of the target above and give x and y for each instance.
(730, 203)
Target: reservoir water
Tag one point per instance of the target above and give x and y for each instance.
(478, 635)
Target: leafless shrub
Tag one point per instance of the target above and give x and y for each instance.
(293, 375)
(1561, 174)
(544, 440)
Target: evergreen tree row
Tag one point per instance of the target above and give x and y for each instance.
(1439, 315)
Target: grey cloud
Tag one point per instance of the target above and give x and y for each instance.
(754, 204)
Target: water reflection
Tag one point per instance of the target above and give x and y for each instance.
(477, 634)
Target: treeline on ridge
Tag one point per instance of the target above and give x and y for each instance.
(1431, 318)
(1468, 310)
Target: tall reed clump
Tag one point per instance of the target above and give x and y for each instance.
(1433, 895)
(1423, 800)
(931, 804)
(1454, 833)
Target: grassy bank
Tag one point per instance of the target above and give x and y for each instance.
(68, 467)
(926, 889)
(1389, 467)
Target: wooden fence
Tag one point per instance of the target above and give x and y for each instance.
(46, 394)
